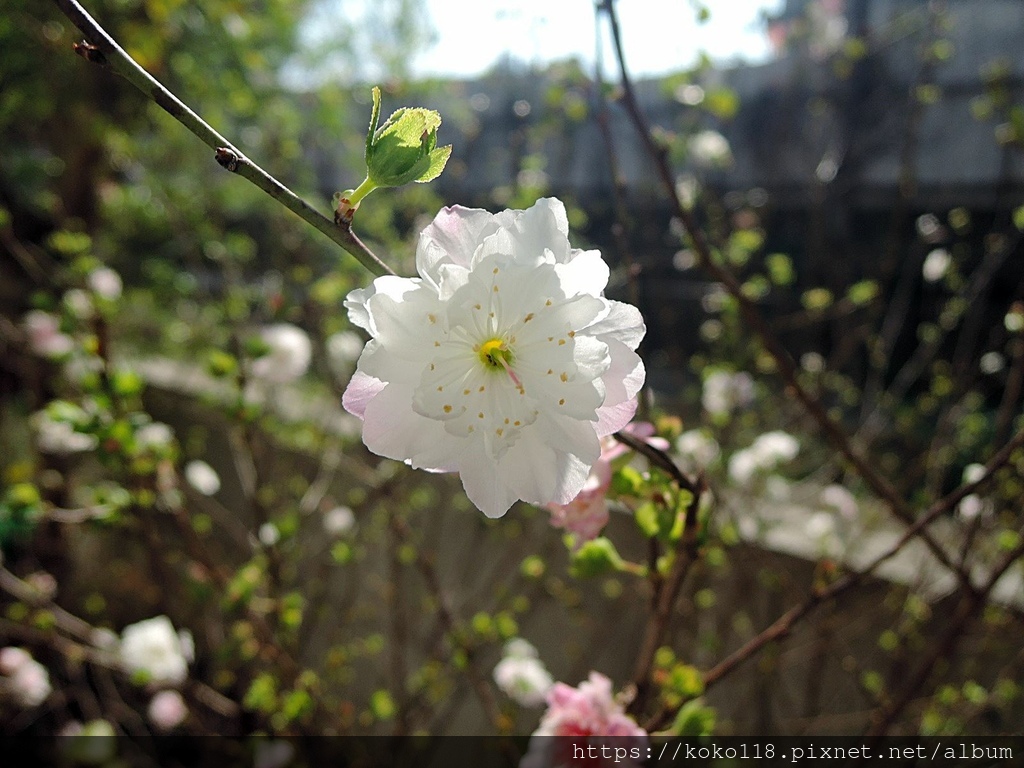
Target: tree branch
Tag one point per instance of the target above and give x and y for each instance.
(100, 48)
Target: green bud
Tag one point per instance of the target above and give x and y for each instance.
(402, 150)
(595, 558)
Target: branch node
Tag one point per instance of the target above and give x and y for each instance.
(228, 158)
(90, 53)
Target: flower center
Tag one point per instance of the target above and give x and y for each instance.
(495, 354)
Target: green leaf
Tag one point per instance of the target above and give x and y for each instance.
(694, 718)
(438, 160)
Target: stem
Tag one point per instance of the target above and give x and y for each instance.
(100, 48)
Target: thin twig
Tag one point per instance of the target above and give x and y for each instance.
(100, 48)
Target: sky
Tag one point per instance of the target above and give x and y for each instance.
(659, 36)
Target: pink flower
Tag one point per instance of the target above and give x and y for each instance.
(167, 710)
(591, 717)
(587, 514)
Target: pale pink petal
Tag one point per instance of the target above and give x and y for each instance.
(360, 391)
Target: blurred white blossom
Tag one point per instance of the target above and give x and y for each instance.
(839, 499)
(936, 264)
(724, 392)
(697, 449)
(79, 304)
(710, 149)
(339, 521)
(152, 646)
(154, 435)
(343, 350)
(269, 535)
(25, 678)
(202, 477)
(44, 335)
(105, 283)
(59, 437)
(763, 455)
(288, 355)
(167, 710)
(522, 675)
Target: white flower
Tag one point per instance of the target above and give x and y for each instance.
(44, 334)
(697, 448)
(502, 361)
(202, 477)
(772, 448)
(724, 392)
(105, 283)
(27, 679)
(973, 473)
(522, 675)
(840, 499)
(742, 466)
(936, 264)
(288, 355)
(154, 435)
(58, 437)
(78, 303)
(269, 534)
(765, 454)
(710, 149)
(167, 710)
(152, 646)
(339, 521)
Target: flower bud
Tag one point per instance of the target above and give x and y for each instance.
(402, 150)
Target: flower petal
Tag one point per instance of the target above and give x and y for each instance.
(361, 389)
(452, 237)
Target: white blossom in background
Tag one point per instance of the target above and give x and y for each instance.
(269, 535)
(973, 505)
(522, 675)
(936, 265)
(58, 437)
(167, 710)
(339, 521)
(839, 499)
(726, 392)
(152, 646)
(79, 304)
(105, 283)
(25, 678)
(764, 455)
(821, 530)
(288, 355)
(44, 335)
(502, 361)
(343, 350)
(773, 448)
(202, 477)
(154, 435)
(710, 149)
(697, 449)
(992, 362)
